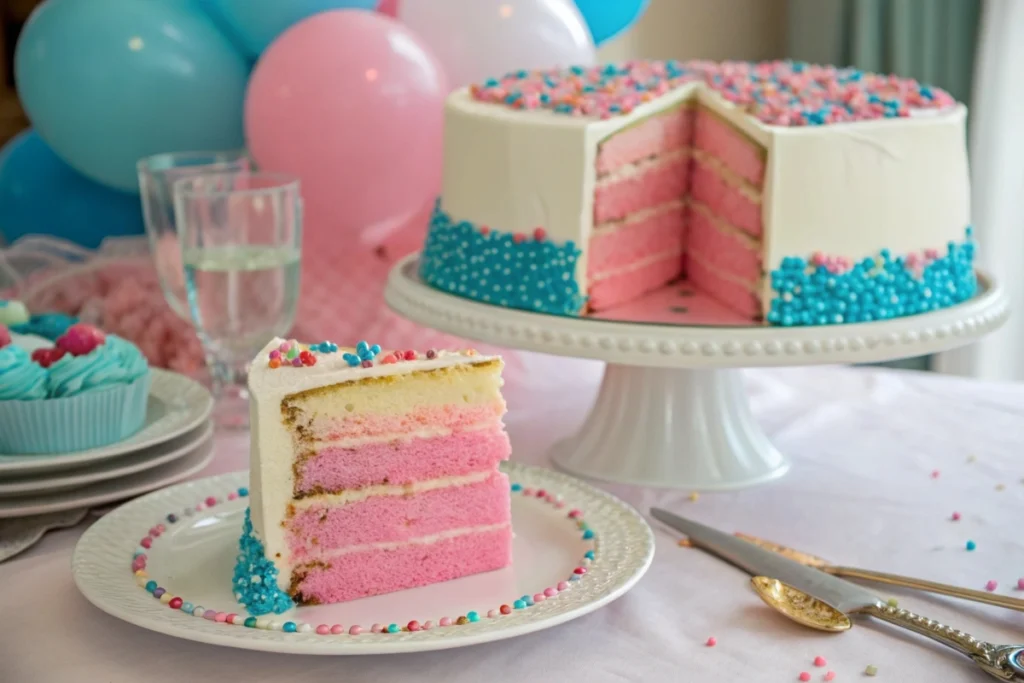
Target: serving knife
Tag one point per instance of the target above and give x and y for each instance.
(1005, 662)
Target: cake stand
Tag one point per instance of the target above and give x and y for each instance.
(671, 410)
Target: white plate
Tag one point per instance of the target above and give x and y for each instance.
(194, 559)
(176, 405)
(111, 490)
(145, 459)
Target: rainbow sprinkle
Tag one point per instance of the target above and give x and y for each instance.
(780, 93)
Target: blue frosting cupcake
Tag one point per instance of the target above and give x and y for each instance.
(78, 402)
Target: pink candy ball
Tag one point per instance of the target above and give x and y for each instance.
(354, 630)
(80, 339)
(323, 629)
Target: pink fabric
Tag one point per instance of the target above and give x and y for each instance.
(652, 187)
(725, 143)
(721, 250)
(387, 519)
(372, 572)
(401, 462)
(657, 135)
(329, 428)
(730, 293)
(634, 241)
(725, 201)
(629, 285)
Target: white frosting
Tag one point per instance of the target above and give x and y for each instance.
(846, 189)
(361, 494)
(271, 451)
(422, 540)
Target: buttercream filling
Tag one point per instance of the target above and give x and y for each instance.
(356, 495)
(421, 433)
(637, 217)
(725, 226)
(732, 179)
(641, 167)
(422, 540)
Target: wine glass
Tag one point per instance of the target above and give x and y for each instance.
(241, 245)
(157, 175)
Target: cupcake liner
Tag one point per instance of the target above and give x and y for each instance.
(76, 423)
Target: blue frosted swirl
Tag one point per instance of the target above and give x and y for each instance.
(21, 379)
(116, 362)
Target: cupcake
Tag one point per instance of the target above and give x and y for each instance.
(87, 391)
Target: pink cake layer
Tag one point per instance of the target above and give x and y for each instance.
(402, 461)
(628, 285)
(721, 250)
(372, 572)
(742, 156)
(672, 129)
(652, 187)
(732, 294)
(709, 188)
(452, 416)
(629, 242)
(389, 519)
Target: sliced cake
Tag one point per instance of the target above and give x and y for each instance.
(371, 471)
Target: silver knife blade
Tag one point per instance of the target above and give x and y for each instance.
(844, 596)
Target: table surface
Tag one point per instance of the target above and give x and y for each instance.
(881, 460)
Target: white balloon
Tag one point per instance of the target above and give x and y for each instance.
(480, 39)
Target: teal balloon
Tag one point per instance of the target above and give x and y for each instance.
(107, 82)
(256, 23)
(609, 18)
(41, 195)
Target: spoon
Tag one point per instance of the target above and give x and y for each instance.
(1005, 662)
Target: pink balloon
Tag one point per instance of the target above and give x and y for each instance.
(480, 39)
(352, 103)
(388, 7)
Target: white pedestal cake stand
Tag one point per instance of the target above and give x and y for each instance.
(671, 410)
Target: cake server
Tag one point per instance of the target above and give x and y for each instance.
(889, 579)
(1005, 662)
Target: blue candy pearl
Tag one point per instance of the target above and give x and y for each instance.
(589, 554)
(151, 586)
(519, 604)
(473, 616)
(588, 534)
(243, 492)
(393, 628)
(517, 487)
(289, 627)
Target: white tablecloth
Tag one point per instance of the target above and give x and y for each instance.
(864, 445)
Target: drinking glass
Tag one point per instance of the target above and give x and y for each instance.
(241, 244)
(157, 175)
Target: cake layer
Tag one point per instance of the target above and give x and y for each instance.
(621, 286)
(374, 571)
(721, 246)
(709, 186)
(740, 154)
(320, 526)
(619, 244)
(671, 129)
(451, 397)
(402, 461)
(722, 287)
(654, 183)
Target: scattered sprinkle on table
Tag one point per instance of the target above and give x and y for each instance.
(956, 517)
(830, 675)
(694, 497)
(991, 585)
(820, 661)
(685, 543)
(711, 642)
(804, 676)
(892, 602)
(1000, 487)
(971, 545)
(871, 670)
(935, 474)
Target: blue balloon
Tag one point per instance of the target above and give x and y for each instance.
(256, 23)
(107, 82)
(41, 195)
(609, 18)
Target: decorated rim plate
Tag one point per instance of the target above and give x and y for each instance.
(112, 490)
(111, 469)
(566, 563)
(177, 404)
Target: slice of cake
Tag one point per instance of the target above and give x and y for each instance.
(371, 472)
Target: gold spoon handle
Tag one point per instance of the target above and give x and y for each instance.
(928, 586)
(1005, 662)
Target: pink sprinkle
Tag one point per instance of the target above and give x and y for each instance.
(527, 491)
(830, 675)
(354, 630)
(211, 501)
(445, 621)
(711, 642)
(563, 585)
(284, 347)
(275, 354)
(200, 507)
(992, 585)
(493, 613)
(323, 630)
(804, 676)
(427, 625)
(935, 474)
(161, 528)
(541, 493)
(210, 615)
(819, 661)
(552, 592)
(365, 363)
(574, 513)
(559, 504)
(580, 571)
(221, 617)
(539, 597)
(147, 542)
(232, 495)
(1020, 584)
(296, 362)
(376, 628)
(956, 516)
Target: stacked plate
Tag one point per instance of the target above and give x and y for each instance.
(175, 443)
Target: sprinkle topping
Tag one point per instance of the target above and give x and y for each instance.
(780, 93)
